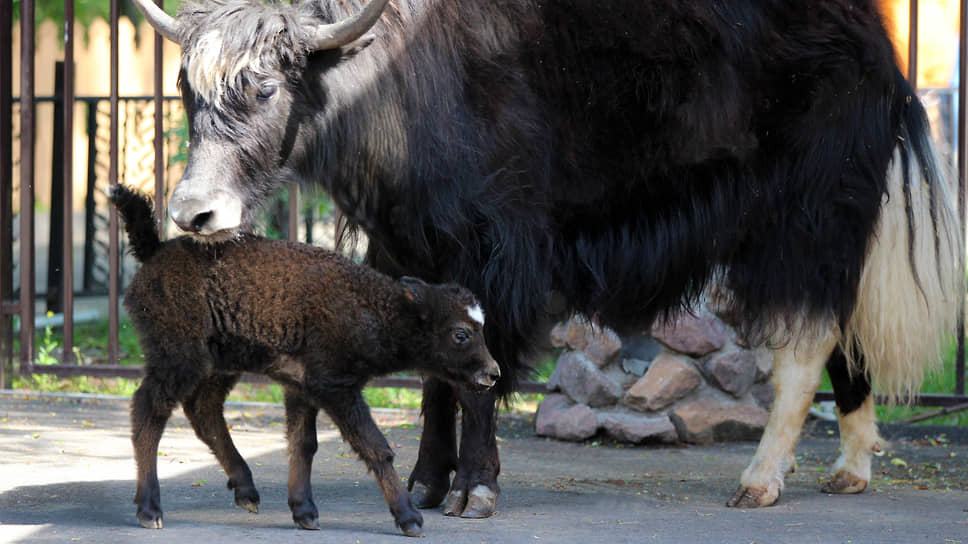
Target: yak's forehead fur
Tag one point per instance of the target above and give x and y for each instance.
(227, 43)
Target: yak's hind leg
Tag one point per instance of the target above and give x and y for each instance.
(474, 492)
(430, 479)
(797, 367)
(204, 410)
(858, 430)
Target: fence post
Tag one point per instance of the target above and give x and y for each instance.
(27, 137)
(55, 261)
(6, 193)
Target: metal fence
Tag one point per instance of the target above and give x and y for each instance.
(18, 298)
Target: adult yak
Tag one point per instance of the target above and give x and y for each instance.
(608, 158)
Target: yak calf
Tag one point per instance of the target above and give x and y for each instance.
(308, 318)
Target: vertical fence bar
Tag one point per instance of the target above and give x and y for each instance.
(6, 192)
(294, 212)
(962, 180)
(913, 44)
(113, 254)
(27, 124)
(67, 260)
(159, 129)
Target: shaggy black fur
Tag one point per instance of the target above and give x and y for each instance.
(611, 157)
(310, 319)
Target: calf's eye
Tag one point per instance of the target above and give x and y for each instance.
(461, 336)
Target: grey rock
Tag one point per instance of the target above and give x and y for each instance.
(733, 372)
(579, 378)
(696, 335)
(668, 379)
(638, 429)
(558, 419)
(707, 421)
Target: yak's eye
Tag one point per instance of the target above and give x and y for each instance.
(461, 336)
(265, 92)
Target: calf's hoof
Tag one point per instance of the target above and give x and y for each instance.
(844, 483)
(754, 496)
(246, 496)
(249, 501)
(412, 527)
(310, 523)
(424, 496)
(150, 521)
(481, 503)
(306, 515)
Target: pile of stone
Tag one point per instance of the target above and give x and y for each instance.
(690, 380)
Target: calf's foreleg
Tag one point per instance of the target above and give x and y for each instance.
(352, 416)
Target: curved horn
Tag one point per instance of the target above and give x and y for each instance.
(165, 24)
(343, 32)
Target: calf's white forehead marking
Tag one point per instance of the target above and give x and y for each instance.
(475, 313)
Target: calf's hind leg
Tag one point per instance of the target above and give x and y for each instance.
(150, 410)
(204, 410)
(858, 430)
(352, 416)
(797, 367)
(301, 432)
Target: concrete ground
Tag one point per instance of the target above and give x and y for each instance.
(66, 475)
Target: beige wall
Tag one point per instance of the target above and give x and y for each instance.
(92, 53)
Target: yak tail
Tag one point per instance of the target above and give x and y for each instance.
(912, 279)
(137, 211)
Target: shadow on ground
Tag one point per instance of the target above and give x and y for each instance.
(67, 476)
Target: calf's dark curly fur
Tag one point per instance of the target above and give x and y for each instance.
(308, 318)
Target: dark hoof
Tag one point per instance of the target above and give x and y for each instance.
(307, 522)
(149, 521)
(424, 496)
(251, 506)
(482, 503)
(248, 499)
(454, 503)
(412, 528)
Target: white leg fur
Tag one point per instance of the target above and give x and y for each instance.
(858, 442)
(797, 368)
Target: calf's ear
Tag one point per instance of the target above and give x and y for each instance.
(413, 288)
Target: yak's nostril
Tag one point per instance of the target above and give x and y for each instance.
(198, 222)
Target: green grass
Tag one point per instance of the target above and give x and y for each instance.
(90, 347)
(91, 340)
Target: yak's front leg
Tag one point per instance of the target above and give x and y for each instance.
(797, 367)
(474, 492)
(351, 414)
(205, 411)
(430, 479)
(301, 432)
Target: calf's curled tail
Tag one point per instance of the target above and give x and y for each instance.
(137, 212)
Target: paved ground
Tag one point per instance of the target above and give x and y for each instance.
(66, 475)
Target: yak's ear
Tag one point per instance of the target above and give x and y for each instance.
(350, 50)
(413, 289)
